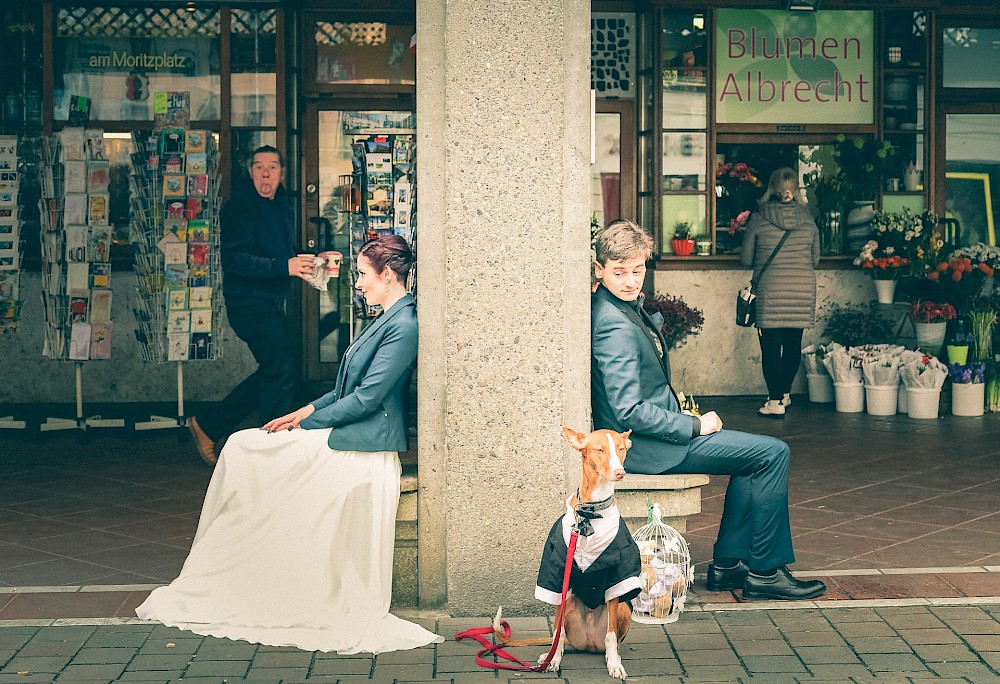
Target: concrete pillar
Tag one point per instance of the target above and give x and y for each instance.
(503, 128)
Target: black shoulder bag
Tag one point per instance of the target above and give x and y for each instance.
(746, 305)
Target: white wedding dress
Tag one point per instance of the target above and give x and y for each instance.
(294, 548)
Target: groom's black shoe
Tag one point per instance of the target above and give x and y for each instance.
(780, 586)
(726, 579)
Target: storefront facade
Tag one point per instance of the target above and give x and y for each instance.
(507, 182)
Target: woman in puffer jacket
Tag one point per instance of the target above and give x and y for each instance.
(786, 293)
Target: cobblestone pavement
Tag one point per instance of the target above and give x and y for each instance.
(892, 642)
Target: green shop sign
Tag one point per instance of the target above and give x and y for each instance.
(773, 66)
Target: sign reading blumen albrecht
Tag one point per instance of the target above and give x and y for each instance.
(773, 66)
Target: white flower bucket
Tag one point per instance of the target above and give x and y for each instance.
(884, 290)
(902, 401)
(930, 336)
(968, 399)
(881, 399)
(922, 402)
(849, 397)
(820, 388)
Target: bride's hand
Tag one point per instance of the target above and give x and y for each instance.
(289, 421)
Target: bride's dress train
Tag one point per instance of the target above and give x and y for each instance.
(294, 548)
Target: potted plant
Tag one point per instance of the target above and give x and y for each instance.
(679, 320)
(703, 243)
(853, 326)
(982, 314)
(930, 319)
(968, 388)
(681, 243)
(958, 347)
(861, 164)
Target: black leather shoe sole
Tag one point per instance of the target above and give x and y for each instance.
(726, 579)
(782, 587)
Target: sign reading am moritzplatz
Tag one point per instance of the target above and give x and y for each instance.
(773, 66)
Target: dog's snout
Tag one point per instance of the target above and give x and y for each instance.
(619, 474)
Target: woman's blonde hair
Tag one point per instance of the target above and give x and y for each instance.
(623, 240)
(782, 179)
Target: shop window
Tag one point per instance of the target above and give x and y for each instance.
(252, 65)
(971, 57)
(684, 136)
(972, 178)
(118, 56)
(372, 53)
(21, 65)
(612, 54)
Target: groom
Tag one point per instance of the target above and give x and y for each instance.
(630, 390)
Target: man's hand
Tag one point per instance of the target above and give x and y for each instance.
(710, 422)
(301, 266)
(290, 421)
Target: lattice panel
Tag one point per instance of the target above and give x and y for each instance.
(612, 53)
(354, 33)
(137, 22)
(254, 21)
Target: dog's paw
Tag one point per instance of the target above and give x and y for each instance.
(554, 664)
(616, 670)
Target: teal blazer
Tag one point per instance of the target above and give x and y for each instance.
(367, 410)
(630, 386)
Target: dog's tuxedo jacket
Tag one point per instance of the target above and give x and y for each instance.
(606, 564)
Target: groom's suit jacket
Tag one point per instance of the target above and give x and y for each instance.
(367, 410)
(630, 385)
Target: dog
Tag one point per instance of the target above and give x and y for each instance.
(606, 564)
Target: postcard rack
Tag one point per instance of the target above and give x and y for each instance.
(175, 207)
(10, 249)
(76, 239)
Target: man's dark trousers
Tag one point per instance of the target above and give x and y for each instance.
(271, 390)
(755, 525)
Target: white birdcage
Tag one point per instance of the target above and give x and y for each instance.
(666, 571)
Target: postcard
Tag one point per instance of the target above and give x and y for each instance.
(178, 345)
(201, 320)
(200, 298)
(176, 298)
(100, 340)
(79, 342)
(100, 305)
(173, 186)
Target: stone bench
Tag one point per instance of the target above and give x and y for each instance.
(678, 496)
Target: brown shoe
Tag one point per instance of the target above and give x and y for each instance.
(205, 444)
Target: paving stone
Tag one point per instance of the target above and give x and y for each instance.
(917, 620)
(879, 645)
(33, 678)
(838, 672)
(637, 668)
(929, 636)
(974, 672)
(751, 632)
(36, 648)
(992, 659)
(699, 642)
(15, 640)
(21, 663)
(444, 664)
(151, 677)
(116, 640)
(982, 642)
(824, 637)
(170, 646)
(339, 666)
(73, 633)
(892, 662)
(224, 649)
(827, 655)
(694, 626)
(773, 663)
(647, 651)
(87, 656)
(864, 629)
(840, 616)
(105, 672)
(646, 634)
(715, 657)
(217, 668)
(944, 652)
(282, 659)
(975, 626)
(714, 673)
(763, 647)
(159, 662)
(416, 655)
(275, 674)
(949, 613)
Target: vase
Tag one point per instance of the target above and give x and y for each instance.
(922, 402)
(930, 336)
(968, 399)
(884, 290)
(859, 224)
(830, 239)
(682, 247)
(987, 286)
(982, 328)
(958, 353)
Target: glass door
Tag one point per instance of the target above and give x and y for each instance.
(612, 175)
(359, 182)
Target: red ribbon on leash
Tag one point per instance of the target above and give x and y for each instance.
(478, 633)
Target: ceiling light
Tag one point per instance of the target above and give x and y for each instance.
(803, 5)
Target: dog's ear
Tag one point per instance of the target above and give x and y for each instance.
(577, 440)
(628, 442)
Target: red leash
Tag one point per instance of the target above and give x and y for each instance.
(479, 633)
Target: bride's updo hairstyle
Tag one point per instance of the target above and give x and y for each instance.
(391, 251)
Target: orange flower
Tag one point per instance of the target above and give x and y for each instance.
(956, 275)
(985, 268)
(933, 275)
(942, 266)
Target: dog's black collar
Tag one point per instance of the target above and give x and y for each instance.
(585, 512)
(594, 506)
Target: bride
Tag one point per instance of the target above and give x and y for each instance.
(294, 544)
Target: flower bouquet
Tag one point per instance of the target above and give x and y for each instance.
(898, 239)
(862, 164)
(984, 257)
(679, 319)
(881, 373)
(737, 189)
(923, 376)
(958, 280)
(932, 312)
(854, 326)
(968, 390)
(819, 382)
(982, 314)
(993, 384)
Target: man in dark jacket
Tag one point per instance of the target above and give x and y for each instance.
(258, 258)
(630, 390)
